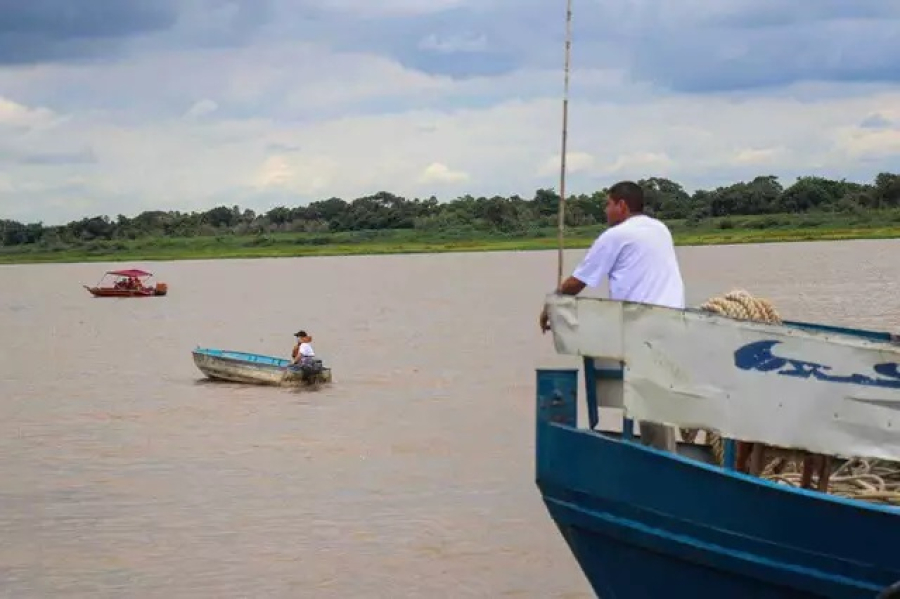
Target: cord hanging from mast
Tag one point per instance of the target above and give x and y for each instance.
(562, 157)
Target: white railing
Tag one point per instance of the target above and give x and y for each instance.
(835, 393)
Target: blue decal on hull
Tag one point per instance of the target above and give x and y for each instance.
(758, 356)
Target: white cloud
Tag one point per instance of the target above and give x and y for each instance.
(275, 172)
(201, 108)
(639, 164)
(576, 162)
(19, 116)
(454, 43)
(863, 143)
(440, 173)
(298, 121)
(178, 164)
(296, 173)
(758, 156)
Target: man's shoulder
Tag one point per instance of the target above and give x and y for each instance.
(648, 219)
(645, 223)
(634, 228)
(610, 235)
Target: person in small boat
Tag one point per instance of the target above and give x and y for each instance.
(303, 349)
(304, 357)
(637, 254)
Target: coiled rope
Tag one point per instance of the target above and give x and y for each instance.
(876, 481)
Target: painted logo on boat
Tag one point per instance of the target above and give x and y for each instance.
(758, 356)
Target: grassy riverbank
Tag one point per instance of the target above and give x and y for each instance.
(729, 230)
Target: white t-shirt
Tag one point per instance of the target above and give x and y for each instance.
(638, 255)
(306, 350)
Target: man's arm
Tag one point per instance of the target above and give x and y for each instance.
(571, 286)
(595, 265)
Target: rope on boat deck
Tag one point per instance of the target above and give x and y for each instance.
(877, 481)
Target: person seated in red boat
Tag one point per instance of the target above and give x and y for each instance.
(303, 349)
(125, 283)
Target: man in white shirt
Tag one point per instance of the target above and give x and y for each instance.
(637, 253)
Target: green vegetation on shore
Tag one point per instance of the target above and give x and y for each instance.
(883, 224)
(758, 211)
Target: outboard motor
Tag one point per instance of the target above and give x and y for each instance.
(309, 368)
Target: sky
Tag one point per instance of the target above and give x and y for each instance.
(120, 106)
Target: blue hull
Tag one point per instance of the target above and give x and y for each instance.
(257, 360)
(646, 523)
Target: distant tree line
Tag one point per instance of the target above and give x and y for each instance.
(665, 198)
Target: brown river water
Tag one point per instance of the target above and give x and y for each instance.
(124, 474)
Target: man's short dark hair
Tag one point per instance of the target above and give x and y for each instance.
(629, 192)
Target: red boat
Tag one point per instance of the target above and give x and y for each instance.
(128, 283)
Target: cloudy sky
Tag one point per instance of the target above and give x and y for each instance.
(119, 106)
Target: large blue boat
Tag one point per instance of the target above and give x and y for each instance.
(645, 523)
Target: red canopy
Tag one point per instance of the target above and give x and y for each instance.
(129, 273)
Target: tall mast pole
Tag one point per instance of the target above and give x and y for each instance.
(565, 133)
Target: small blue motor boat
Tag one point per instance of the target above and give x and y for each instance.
(643, 522)
(258, 369)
